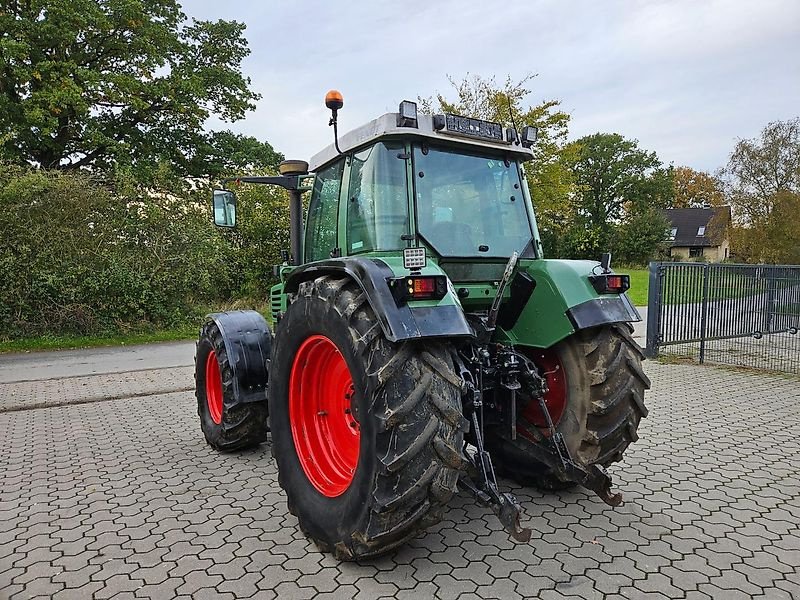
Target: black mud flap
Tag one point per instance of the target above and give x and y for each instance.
(603, 311)
(248, 342)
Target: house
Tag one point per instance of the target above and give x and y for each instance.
(699, 233)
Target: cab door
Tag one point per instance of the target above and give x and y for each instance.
(321, 236)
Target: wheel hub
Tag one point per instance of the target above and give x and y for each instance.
(213, 388)
(325, 431)
(550, 367)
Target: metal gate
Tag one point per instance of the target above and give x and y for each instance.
(743, 315)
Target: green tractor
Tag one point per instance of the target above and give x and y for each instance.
(420, 341)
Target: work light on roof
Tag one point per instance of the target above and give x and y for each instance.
(529, 135)
(407, 114)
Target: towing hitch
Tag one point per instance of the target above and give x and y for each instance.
(554, 453)
(480, 481)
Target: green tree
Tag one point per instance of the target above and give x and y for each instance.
(760, 169)
(762, 182)
(76, 258)
(92, 83)
(618, 184)
(776, 239)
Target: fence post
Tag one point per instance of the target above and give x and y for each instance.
(653, 310)
(704, 312)
(770, 278)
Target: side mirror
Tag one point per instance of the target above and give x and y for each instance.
(224, 208)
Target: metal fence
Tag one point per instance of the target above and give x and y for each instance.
(743, 315)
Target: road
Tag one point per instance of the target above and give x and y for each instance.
(95, 361)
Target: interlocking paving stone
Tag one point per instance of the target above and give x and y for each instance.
(93, 388)
(122, 498)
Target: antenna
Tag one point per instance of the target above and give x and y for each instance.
(511, 114)
(334, 101)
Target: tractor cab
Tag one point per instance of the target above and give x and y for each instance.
(451, 185)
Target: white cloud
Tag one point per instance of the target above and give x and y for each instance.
(686, 78)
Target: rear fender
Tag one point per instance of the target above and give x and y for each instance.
(413, 320)
(562, 302)
(248, 343)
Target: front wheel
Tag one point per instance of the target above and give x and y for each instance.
(596, 399)
(226, 424)
(367, 434)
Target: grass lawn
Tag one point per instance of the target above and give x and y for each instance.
(59, 342)
(640, 279)
(188, 331)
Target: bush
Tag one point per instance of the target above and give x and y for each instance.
(77, 258)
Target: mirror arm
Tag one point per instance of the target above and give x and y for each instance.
(290, 182)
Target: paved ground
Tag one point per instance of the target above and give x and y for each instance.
(27, 366)
(122, 498)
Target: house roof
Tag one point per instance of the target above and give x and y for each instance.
(687, 224)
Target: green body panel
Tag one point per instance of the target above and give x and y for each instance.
(395, 263)
(560, 285)
(279, 300)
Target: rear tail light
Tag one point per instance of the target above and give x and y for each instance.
(610, 283)
(418, 287)
(422, 286)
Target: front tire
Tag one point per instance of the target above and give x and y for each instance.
(226, 424)
(367, 434)
(603, 385)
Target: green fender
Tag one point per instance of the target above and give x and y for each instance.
(563, 302)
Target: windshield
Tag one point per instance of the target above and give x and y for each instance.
(469, 205)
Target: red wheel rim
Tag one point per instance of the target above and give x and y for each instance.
(213, 388)
(326, 436)
(550, 367)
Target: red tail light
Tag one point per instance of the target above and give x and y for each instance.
(611, 284)
(419, 287)
(424, 286)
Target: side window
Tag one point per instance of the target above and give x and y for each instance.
(377, 210)
(323, 213)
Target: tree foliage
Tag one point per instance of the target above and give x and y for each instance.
(760, 169)
(776, 239)
(96, 83)
(77, 258)
(696, 189)
(762, 183)
(621, 187)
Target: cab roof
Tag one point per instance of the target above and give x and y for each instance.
(387, 127)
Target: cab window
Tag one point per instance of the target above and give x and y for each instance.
(377, 207)
(321, 224)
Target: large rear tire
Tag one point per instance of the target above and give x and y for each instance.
(599, 373)
(367, 434)
(226, 425)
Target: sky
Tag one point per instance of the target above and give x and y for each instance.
(687, 78)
